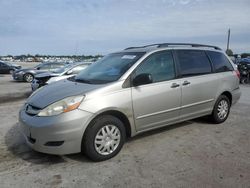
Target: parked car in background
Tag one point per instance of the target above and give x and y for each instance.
(8, 68)
(58, 74)
(127, 93)
(244, 69)
(28, 74)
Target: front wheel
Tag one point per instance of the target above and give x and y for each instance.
(28, 78)
(104, 138)
(221, 109)
(11, 71)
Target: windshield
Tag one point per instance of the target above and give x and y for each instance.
(108, 69)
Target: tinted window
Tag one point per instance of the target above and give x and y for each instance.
(193, 62)
(220, 62)
(160, 65)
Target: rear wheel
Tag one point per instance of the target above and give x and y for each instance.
(28, 77)
(104, 138)
(221, 109)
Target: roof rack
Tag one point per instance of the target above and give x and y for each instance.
(161, 45)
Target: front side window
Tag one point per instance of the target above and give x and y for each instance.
(44, 67)
(56, 65)
(220, 61)
(193, 62)
(160, 65)
(108, 69)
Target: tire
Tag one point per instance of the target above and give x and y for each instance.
(28, 78)
(97, 139)
(221, 110)
(243, 81)
(11, 71)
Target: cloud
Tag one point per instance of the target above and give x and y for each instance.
(101, 26)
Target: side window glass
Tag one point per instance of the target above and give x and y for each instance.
(193, 62)
(56, 66)
(160, 65)
(220, 61)
(44, 67)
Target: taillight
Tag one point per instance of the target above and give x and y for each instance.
(237, 73)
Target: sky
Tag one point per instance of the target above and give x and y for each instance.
(89, 27)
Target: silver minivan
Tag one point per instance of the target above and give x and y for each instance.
(127, 93)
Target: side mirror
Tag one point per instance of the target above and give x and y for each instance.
(38, 68)
(69, 72)
(142, 79)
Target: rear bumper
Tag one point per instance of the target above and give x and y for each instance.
(236, 95)
(59, 135)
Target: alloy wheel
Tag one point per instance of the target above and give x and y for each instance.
(107, 139)
(222, 110)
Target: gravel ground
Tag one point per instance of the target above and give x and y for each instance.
(190, 154)
(10, 89)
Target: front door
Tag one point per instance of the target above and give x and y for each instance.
(158, 103)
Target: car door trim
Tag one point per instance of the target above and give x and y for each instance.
(173, 109)
(157, 113)
(197, 103)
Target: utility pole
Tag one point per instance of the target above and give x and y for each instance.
(228, 39)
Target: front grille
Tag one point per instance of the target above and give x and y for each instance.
(31, 110)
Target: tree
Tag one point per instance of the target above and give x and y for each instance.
(229, 52)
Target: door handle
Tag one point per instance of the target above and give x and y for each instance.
(174, 85)
(186, 83)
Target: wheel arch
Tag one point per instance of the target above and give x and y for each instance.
(228, 95)
(121, 116)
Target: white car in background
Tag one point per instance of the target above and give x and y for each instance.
(59, 74)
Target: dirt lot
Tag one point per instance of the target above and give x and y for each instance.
(190, 154)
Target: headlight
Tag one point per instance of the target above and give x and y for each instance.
(64, 105)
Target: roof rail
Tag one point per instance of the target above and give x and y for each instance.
(161, 45)
(141, 46)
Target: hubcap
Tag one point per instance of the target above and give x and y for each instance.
(107, 139)
(222, 109)
(29, 78)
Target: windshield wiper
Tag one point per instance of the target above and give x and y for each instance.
(82, 81)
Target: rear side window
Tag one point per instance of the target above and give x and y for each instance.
(220, 62)
(193, 62)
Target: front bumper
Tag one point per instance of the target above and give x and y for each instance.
(35, 84)
(59, 135)
(17, 76)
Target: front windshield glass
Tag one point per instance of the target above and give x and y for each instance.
(108, 69)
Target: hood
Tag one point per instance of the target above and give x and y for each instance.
(59, 90)
(46, 74)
